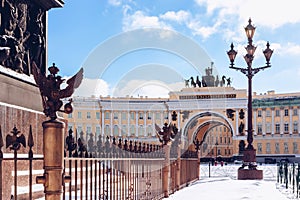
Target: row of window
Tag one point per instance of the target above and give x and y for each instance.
(88, 115)
(141, 115)
(117, 131)
(277, 113)
(277, 148)
(286, 127)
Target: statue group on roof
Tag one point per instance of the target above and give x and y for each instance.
(209, 80)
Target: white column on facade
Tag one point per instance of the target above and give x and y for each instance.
(153, 123)
(145, 124)
(281, 120)
(137, 123)
(120, 123)
(264, 121)
(128, 123)
(102, 123)
(111, 122)
(236, 122)
(291, 120)
(254, 121)
(298, 119)
(273, 121)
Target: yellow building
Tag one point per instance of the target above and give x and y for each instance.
(216, 116)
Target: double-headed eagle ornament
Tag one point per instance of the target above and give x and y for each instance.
(50, 90)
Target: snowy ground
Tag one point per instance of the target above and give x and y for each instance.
(223, 185)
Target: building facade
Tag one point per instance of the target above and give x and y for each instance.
(215, 116)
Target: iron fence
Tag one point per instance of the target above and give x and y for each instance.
(288, 174)
(108, 168)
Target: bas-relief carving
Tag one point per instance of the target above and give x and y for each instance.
(22, 35)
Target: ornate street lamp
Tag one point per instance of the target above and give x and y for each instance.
(249, 71)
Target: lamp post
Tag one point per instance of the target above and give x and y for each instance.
(249, 154)
(216, 150)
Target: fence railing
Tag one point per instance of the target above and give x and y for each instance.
(108, 168)
(288, 174)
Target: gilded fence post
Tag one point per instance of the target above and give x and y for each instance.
(165, 136)
(197, 147)
(53, 159)
(166, 170)
(178, 169)
(53, 130)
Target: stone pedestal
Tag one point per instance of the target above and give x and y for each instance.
(250, 174)
(249, 161)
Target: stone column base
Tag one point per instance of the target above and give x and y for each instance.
(250, 174)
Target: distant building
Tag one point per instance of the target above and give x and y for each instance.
(216, 116)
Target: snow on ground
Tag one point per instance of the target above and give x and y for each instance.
(223, 185)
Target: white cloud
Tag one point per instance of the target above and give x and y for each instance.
(115, 2)
(179, 16)
(140, 20)
(92, 87)
(144, 88)
(267, 13)
(289, 48)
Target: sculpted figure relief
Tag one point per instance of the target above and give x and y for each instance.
(22, 35)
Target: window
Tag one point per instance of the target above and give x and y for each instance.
(286, 127)
(106, 130)
(88, 115)
(277, 113)
(132, 130)
(132, 115)
(259, 128)
(268, 148)
(97, 115)
(70, 115)
(107, 115)
(141, 115)
(97, 130)
(277, 128)
(88, 129)
(116, 115)
(124, 130)
(116, 130)
(259, 148)
(286, 147)
(295, 112)
(268, 113)
(277, 149)
(157, 116)
(79, 115)
(123, 116)
(286, 112)
(141, 130)
(295, 147)
(149, 130)
(79, 129)
(149, 115)
(259, 113)
(295, 127)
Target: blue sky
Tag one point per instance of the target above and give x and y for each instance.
(91, 34)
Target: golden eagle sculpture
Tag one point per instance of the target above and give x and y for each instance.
(50, 90)
(167, 133)
(15, 140)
